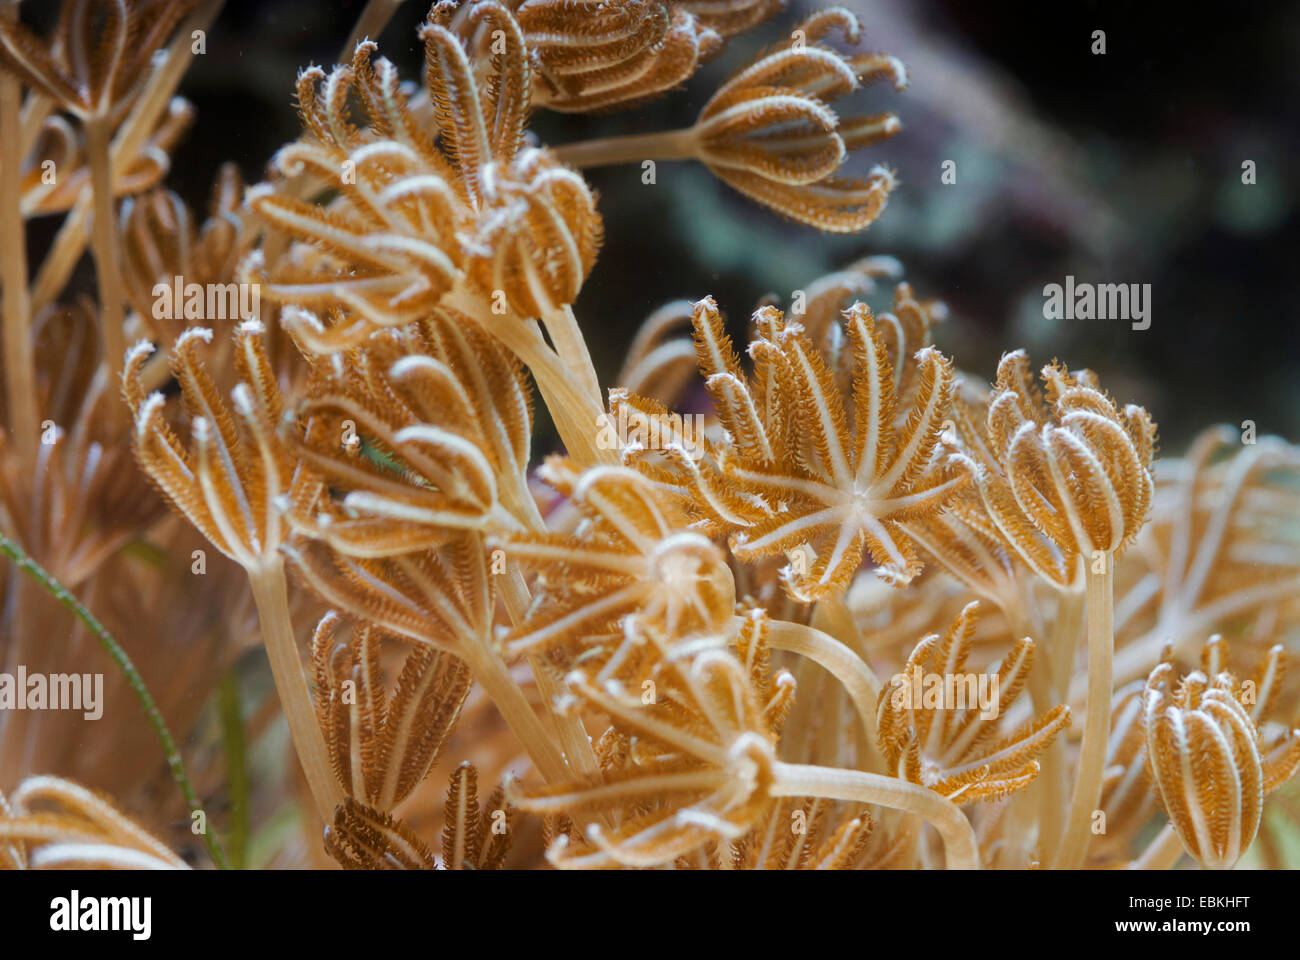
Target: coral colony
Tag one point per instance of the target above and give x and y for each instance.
(866, 610)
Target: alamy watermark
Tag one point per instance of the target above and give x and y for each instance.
(179, 300)
(53, 691)
(917, 690)
(75, 913)
(1098, 301)
(651, 431)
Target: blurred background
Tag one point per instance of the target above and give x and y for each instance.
(1117, 168)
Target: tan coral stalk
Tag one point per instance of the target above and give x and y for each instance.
(108, 268)
(839, 660)
(270, 592)
(18, 364)
(833, 783)
(1092, 758)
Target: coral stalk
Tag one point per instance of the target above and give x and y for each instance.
(104, 243)
(19, 365)
(574, 409)
(1096, 730)
(571, 347)
(833, 783)
(635, 148)
(270, 593)
(490, 671)
(846, 666)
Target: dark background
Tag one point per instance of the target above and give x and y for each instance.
(1122, 168)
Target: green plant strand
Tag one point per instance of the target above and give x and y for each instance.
(232, 735)
(61, 593)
